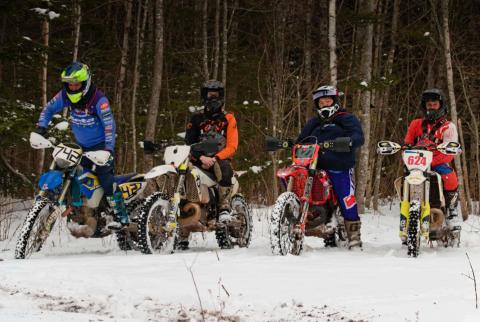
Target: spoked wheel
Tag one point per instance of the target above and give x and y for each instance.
(36, 228)
(413, 233)
(127, 239)
(284, 237)
(239, 231)
(153, 234)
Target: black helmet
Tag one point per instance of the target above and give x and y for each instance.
(437, 95)
(213, 104)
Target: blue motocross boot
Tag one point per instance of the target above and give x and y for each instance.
(121, 216)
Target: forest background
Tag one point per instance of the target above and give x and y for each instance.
(151, 56)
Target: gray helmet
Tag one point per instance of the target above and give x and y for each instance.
(437, 95)
(210, 86)
(213, 105)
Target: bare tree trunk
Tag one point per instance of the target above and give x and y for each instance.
(366, 76)
(205, 40)
(2, 39)
(157, 79)
(78, 20)
(385, 99)
(216, 58)
(453, 103)
(225, 42)
(463, 158)
(476, 132)
(139, 36)
(332, 41)
(121, 81)
(308, 59)
(46, 39)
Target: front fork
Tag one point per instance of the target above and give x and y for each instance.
(410, 194)
(175, 202)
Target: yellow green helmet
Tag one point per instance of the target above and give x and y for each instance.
(76, 73)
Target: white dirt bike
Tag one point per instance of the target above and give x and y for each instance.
(185, 200)
(422, 207)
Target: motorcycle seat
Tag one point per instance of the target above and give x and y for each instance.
(123, 178)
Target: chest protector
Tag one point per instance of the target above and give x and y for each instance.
(214, 130)
(429, 136)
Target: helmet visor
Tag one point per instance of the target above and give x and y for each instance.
(324, 92)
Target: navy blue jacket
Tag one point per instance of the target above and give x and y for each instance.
(341, 125)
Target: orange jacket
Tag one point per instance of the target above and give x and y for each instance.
(225, 129)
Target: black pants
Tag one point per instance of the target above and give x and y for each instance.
(222, 169)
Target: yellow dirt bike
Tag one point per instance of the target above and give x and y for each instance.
(422, 207)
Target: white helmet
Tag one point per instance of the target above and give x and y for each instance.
(326, 112)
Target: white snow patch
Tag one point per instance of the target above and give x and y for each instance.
(90, 279)
(40, 11)
(256, 102)
(52, 15)
(245, 103)
(364, 84)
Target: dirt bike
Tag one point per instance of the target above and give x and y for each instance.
(185, 200)
(309, 206)
(422, 207)
(68, 190)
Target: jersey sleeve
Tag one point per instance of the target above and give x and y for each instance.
(105, 115)
(231, 140)
(192, 131)
(353, 127)
(414, 131)
(55, 105)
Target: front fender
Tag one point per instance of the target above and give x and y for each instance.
(50, 180)
(160, 170)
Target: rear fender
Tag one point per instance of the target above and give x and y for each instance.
(160, 170)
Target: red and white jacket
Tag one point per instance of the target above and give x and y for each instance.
(421, 132)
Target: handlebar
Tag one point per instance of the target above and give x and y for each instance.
(341, 144)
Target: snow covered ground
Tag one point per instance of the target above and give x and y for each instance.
(91, 280)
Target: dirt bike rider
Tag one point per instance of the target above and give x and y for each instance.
(434, 128)
(331, 122)
(93, 126)
(216, 123)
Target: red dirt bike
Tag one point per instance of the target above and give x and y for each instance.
(309, 206)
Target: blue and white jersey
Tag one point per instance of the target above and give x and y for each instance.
(91, 125)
